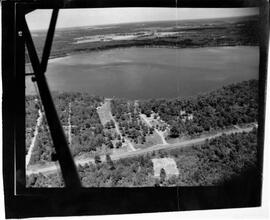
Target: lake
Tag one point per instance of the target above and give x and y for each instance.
(141, 72)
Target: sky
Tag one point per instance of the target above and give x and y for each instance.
(39, 19)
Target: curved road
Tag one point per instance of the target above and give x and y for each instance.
(53, 167)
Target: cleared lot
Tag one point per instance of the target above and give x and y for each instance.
(104, 112)
(168, 164)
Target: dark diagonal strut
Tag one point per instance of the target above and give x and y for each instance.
(64, 156)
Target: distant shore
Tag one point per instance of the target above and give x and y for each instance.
(54, 58)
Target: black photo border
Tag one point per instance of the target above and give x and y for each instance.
(23, 202)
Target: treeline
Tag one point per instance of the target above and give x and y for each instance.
(87, 130)
(215, 162)
(225, 157)
(137, 171)
(231, 105)
(204, 33)
(63, 100)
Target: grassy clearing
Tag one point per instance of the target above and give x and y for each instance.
(151, 140)
(104, 112)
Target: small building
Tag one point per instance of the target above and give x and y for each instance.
(182, 112)
(190, 117)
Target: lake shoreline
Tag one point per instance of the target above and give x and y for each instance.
(94, 50)
(142, 72)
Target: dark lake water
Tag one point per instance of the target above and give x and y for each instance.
(139, 73)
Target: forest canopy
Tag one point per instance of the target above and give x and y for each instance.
(231, 105)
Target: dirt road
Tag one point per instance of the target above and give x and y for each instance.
(30, 150)
(53, 168)
(105, 115)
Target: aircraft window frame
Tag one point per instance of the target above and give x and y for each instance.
(14, 89)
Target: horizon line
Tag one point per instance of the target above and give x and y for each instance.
(122, 23)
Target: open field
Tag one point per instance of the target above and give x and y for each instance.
(151, 140)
